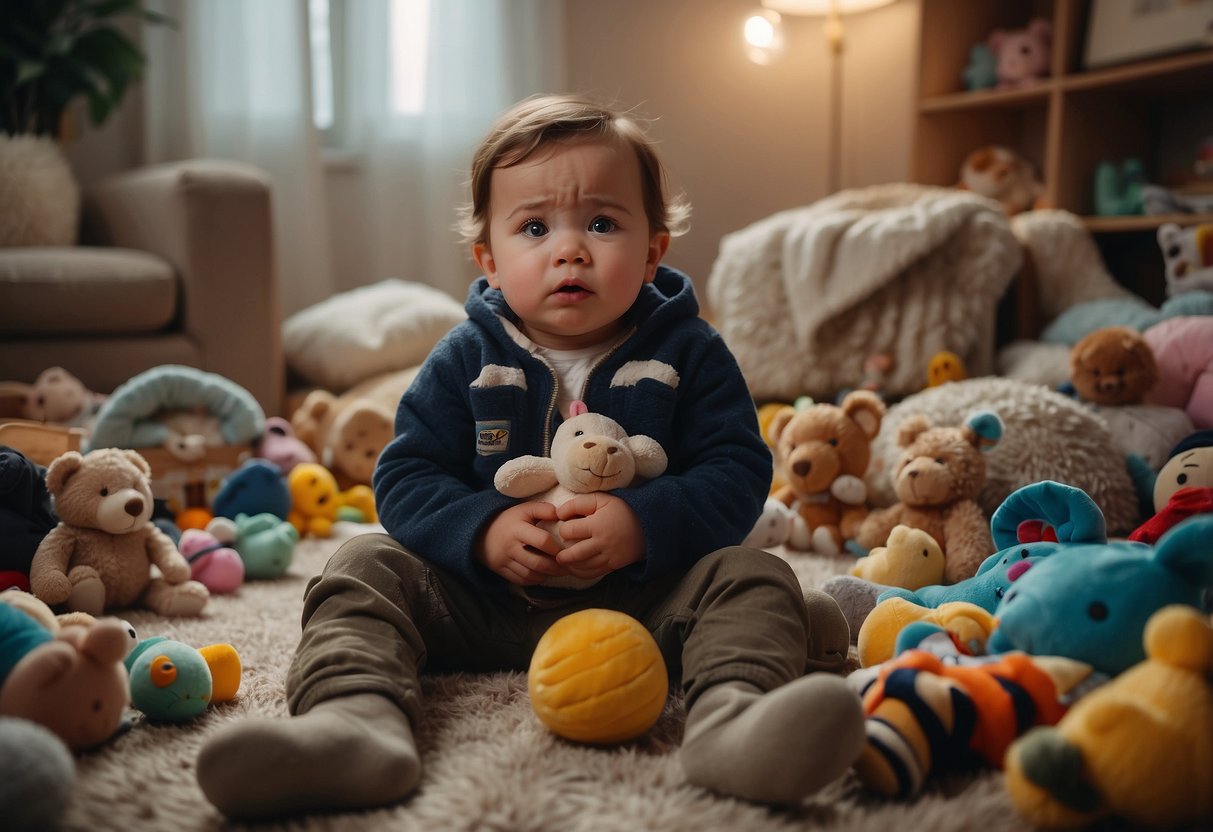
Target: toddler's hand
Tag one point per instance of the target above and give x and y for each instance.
(601, 533)
(516, 548)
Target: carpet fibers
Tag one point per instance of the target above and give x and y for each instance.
(488, 763)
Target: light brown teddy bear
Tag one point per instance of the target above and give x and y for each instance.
(1113, 366)
(821, 454)
(938, 478)
(348, 432)
(99, 557)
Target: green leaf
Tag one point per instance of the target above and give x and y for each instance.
(28, 70)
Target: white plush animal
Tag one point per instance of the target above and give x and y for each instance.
(590, 452)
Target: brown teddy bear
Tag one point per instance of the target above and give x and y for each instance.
(821, 454)
(349, 431)
(938, 477)
(99, 556)
(1113, 366)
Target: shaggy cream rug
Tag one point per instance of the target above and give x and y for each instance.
(489, 764)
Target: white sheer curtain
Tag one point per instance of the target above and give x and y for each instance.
(233, 80)
(481, 56)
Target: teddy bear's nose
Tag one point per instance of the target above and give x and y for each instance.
(134, 506)
(913, 475)
(802, 468)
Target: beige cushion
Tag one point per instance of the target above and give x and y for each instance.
(83, 289)
(390, 325)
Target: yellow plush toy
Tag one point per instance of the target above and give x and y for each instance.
(968, 623)
(1140, 747)
(316, 502)
(911, 560)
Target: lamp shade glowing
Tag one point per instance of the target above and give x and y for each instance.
(822, 7)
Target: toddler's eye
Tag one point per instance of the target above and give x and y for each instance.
(533, 228)
(602, 225)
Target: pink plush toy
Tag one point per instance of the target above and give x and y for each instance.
(1183, 349)
(1022, 54)
(281, 446)
(213, 563)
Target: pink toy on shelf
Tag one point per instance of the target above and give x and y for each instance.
(1022, 55)
(213, 563)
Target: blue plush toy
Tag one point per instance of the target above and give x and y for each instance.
(1034, 522)
(173, 682)
(255, 487)
(1091, 602)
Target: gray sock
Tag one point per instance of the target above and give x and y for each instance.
(355, 752)
(779, 747)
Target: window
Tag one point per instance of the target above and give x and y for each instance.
(408, 44)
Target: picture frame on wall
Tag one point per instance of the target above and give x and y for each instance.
(1128, 30)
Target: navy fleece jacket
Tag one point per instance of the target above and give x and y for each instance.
(481, 399)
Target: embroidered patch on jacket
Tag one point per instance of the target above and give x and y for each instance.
(632, 372)
(496, 375)
(493, 437)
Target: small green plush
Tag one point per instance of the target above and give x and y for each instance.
(174, 682)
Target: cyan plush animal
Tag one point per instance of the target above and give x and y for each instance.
(1091, 602)
(174, 682)
(1033, 523)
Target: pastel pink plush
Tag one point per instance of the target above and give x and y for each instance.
(1183, 349)
(213, 564)
(1023, 55)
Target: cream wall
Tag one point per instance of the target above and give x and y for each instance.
(745, 140)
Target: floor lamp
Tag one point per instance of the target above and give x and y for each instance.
(764, 38)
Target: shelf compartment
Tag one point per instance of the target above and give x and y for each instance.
(943, 139)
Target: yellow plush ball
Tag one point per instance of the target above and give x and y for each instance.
(597, 676)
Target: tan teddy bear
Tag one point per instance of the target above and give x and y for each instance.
(821, 454)
(1113, 366)
(348, 432)
(937, 479)
(99, 556)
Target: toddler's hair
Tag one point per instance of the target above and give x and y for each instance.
(541, 121)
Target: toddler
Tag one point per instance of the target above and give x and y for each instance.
(569, 221)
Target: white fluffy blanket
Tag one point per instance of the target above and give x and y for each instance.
(803, 297)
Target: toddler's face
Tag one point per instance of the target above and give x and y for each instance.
(569, 241)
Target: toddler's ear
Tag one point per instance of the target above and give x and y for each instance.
(659, 243)
(484, 259)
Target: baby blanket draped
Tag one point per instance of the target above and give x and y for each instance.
(805, 296)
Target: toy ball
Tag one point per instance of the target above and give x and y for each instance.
(170, 681)
(597, 676)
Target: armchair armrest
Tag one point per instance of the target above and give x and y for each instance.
(212, 221)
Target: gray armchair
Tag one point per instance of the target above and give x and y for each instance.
(176, 266)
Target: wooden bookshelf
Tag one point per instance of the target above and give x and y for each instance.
(1066, 124)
